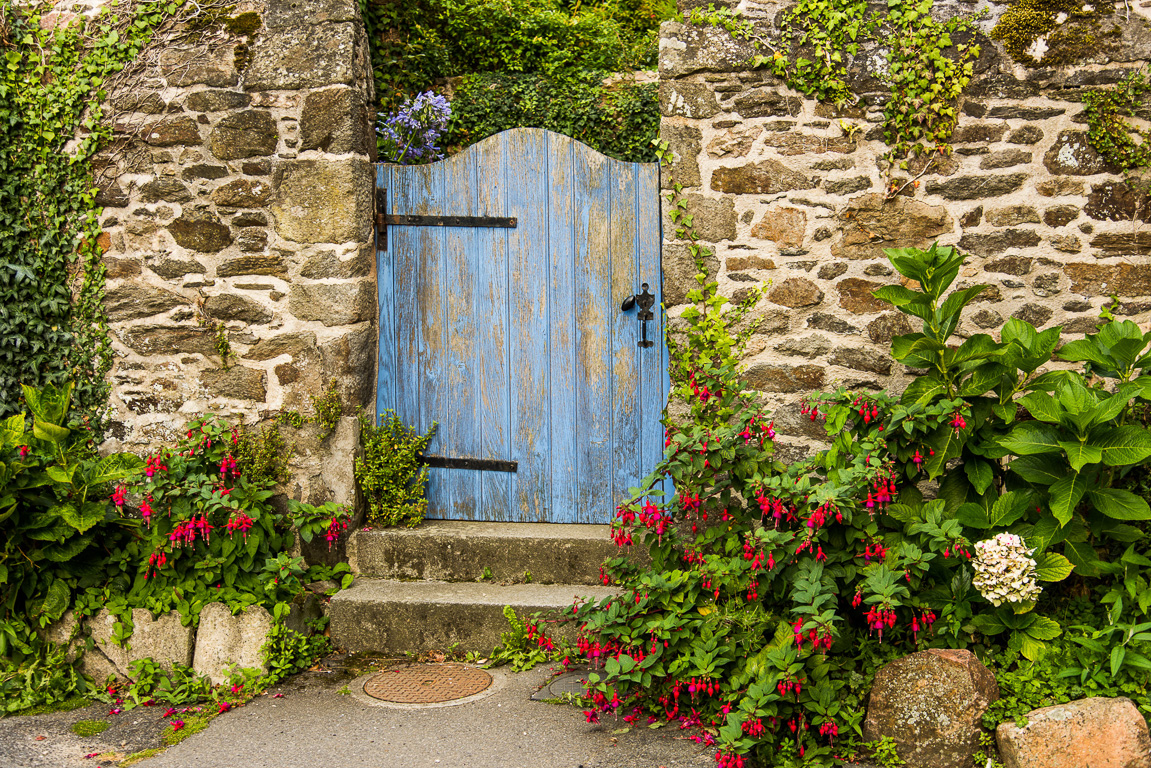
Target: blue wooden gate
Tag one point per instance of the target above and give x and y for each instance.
(513, 338)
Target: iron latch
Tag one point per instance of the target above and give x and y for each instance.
(645, 301)
(491, 465)
(384, 219)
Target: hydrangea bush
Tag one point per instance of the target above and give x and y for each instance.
(1005, 571)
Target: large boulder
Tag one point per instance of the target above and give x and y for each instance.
(164, 640)
(931, 704)
(1097, 732)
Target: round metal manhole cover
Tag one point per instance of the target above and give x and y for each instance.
(427, 684)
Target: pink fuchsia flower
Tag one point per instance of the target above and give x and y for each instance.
(23, 451)
(224, 707)
(118, 495)
(237, 688)
(114, 711)
(169, 712)
(958, 422)
(177, 725)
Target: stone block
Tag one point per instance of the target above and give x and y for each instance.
(200, 65)
(1116, 201)
(679, 271)
(712, 218)
(304, 56)
(236, 382)
(768, 102)
(862, 359)
(242, 193)
(931, 703)
(350, 359)
(786, 227)
(136, 300)
(200, 231)
(1035, 314)
(686, 48)
(736, 142)
(1027, 135)
(174, 269)
(292, 344)
(289, 14)
(335, 120)
(216, 101)
(1097, 732)
(172, 132)
(1073, 155)
(166, 340)
(795, 292)
(250, 133)
(165, 189)
(327, 264)
(1012, 215)
(230, 306)
(271, 265)
(324, 201)
(976, 187)
(887, 326)
(164, 640)
(334, 303)
(224, 641)
(997, 242)
(766, 177)
(684, 142)
(692, 100)
(1104, 279)
(871, 223)
(813, 345)
(203, 171)
(1060, 215)
(784, 378)
(855, 295)
(1010, 265)
(831, 323)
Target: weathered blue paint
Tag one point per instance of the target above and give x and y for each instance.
(513, 339)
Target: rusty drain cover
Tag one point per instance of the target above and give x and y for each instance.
(427, 683)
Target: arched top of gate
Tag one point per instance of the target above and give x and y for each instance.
(499, 143)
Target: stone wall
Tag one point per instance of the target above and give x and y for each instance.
(238, 195)
(784, 196)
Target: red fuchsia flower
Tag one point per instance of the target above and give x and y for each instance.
(90, 755)
(336, 526)
(239, 522)
(169, 712)
(118, 495)
(237, 688)
(23, 451)
(115, 711)
(958, 422)
(177, 725)
(146, 510)
(278, 696)
(591, 715)
(224, 707)
(770, 431)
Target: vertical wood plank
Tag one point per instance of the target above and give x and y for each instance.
(593, 333)
(562, 304)
(433, 331)
(386, 304)
(404, 197)
(528, 331)
(459, 423)
(653, 365)
(625, 332)
(492, 314)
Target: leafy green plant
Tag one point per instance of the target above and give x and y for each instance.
(1108, 130)
(287, 652)
(328, 409)
(262, 454)
(523, 646)
(883, 751)
(390, 472)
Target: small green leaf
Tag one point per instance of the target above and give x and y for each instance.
(1051, 566)
(1119, 504)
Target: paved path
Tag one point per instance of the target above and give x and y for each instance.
(313, 726)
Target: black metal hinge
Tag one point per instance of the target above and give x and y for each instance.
(491, 465)
(384, 219)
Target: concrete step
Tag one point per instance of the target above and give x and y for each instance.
(453, 550)
(386, 616)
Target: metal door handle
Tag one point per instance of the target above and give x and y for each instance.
(645, 301)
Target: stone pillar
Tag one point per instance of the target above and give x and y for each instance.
(238, 196)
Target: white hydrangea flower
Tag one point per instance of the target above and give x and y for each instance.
(1004, 570)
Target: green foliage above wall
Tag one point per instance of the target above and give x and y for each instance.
(526, 63)
(620, 120)
(52, 325)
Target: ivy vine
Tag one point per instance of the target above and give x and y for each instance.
(1108, 131)
(53, 79)
(928, 64)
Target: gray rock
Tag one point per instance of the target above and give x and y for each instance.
(166, 340)
(307, 56)
(712, 218)
(236, 382)
(164, 640)
(684, 141)
(135, 300)
(294, 344)
(1005, 158)
(203, 171)
(870, 360)
(333, 303)
(229, 306)
(1073, 155)
(225, 642)
(293, 14)
(270, 265)
(764, 177)
(686, 48)
(165, 188)
(931, 703)
(1012, 215)
(200, 231)
(242, 193)
(1088, 732)
(679, 271)
(249, 133)
(693, 100)
(217, 101)
(200, 65)
(324, 201)
(784, 378)
(172, 132)
(252, 240)
(975, 187)
(328, 264)
(174, 269)
(335, 120)
(997, 242)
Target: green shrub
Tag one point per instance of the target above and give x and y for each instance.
(621, 120)
(390, 473)
(775, 591)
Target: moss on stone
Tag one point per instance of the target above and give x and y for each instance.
(1078, 42)
(88, 728)
(244, 24)
(1028, 20)
(241, 57)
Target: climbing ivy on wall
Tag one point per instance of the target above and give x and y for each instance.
(52, 82)
(1108, 130)
(929, 63)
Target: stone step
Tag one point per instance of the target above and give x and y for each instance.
(387, 616)
(454, 550)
